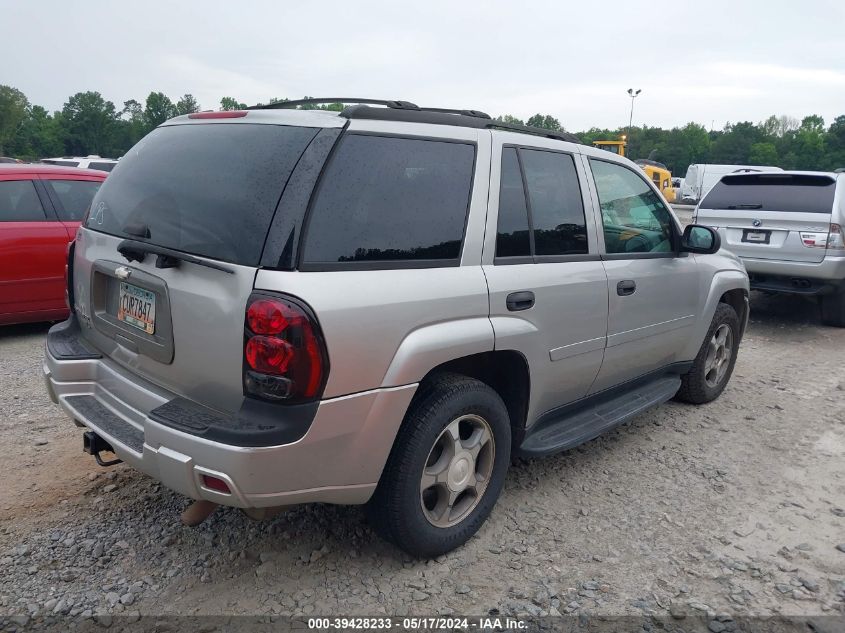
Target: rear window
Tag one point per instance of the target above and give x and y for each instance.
(63, 163)
(773, 192)
(102, 166)
(208, 189)
(74, 197)
(387, 199)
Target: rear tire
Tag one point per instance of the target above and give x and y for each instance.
(446, 469)
(833, 308)
(715, 362)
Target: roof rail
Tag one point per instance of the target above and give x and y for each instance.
(412, 113)
(278, 105)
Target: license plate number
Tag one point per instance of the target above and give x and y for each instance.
(137, 307)
(756, 236)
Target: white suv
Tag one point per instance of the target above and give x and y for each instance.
(92, 161)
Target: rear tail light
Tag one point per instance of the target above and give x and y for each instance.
(69, 251)
(285, 356)
(832, 240)
(835, 238)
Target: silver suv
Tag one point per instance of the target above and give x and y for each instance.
(787, 228)
(382, 307)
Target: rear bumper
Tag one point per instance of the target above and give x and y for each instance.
(796, 277)
(338, 460)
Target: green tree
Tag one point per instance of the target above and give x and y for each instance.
(809, 143)
(835, 144)
(763, 154)
(158, 109)
(230, 103)
(39, 136)
(547, 122)
(89, 123)
(510, 119)
(14, 107)
(187, 104)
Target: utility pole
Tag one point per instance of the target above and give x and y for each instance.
(633, 94)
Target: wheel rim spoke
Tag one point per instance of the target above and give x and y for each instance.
(719, 351)
(457, 471)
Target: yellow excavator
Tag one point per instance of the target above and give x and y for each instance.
(657, 172)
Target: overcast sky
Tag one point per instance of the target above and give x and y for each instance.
(709, 61)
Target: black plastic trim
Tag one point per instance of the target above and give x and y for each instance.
(107, 423)
(559, 416)
(64, 342)
(257, 423)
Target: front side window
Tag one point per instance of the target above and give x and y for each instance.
(19, 202)
(74, 197)
(387, 199)
(635, 220)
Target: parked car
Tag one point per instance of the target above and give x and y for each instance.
(91, 161)
(700, 178)
(40, 209)
(380, 307)
(787, 228)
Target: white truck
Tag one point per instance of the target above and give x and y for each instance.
(701, 178)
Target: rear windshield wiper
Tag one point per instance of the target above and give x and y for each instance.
(134, 250)
(745, 206)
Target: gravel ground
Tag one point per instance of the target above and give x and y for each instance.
(722, 511)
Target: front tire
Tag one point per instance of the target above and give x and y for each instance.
(446, 469)
(715, 361)
(833, 308)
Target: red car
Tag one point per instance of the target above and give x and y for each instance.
(41, 207)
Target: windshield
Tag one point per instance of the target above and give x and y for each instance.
(773, 192)
(205, 189)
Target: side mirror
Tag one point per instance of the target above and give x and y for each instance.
(700, 239)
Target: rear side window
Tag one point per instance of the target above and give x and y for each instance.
(19, 202)
(773, 192)
(74, 197)
(385, 199)
(206, 189)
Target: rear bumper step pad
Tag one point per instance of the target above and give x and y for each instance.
(109, 424)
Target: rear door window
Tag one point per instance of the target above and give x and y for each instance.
(74, 197)
(19, 202)
(797, 193)
(388, 199)
(512, 234)
(207, 189)
(556, 206)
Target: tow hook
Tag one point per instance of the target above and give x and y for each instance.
(93, 444)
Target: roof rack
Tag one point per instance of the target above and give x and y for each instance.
(406, 111)
(279, 105)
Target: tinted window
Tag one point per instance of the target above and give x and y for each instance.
(391, 199)
(208, 189)
(773, 192)
(74, 197)
(19, 202)
(557, 210)
(102, 166)
(63, 163)
(512, 233)
(635, 219)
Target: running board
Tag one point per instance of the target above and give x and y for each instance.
(575, 425)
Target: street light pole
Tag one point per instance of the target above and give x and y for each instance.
(633, 94)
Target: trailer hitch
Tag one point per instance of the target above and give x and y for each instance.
(93, 444)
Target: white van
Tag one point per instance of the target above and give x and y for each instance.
(700, 178)
(91, 161)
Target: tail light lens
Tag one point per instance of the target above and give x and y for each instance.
(285, 357)
(835, 238)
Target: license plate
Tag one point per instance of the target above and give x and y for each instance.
(137, 307)
(760, 237)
